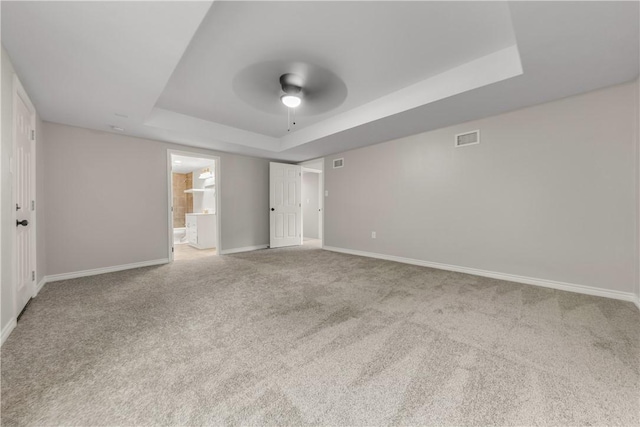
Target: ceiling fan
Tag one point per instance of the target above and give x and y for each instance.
(303, 88)
(292, 87)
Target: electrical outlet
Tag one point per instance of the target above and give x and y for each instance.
(373, 234)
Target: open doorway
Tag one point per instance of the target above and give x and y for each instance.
(194, 220)
(312, 201)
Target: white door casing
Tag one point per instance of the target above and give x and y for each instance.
(321, 208)
(285, 199)
(218, 198)
(24, 197)
(320, 199)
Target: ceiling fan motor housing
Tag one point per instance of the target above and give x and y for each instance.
(291, 84)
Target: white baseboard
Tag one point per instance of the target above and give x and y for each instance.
(637, 301)
(8, 328)
(245, 249)
(39, 286)
(563, 286)
(95, 271)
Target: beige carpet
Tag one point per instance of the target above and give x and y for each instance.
(183, 251)
(303, 336)
(307, 241)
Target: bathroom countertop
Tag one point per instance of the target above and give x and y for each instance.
(201, 213)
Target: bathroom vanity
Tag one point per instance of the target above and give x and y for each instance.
(201, 230)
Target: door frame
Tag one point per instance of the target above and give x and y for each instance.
(320, 202)
(217, 168)
(20, 93)
(320, 162)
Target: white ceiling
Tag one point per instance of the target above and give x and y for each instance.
(85, 62)
(173, 67)
(376, 48)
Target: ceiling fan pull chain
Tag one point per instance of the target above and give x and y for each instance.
(288, 119)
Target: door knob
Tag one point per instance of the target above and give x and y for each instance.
(273, 209)
(24, 222)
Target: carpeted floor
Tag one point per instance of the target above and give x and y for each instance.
(183, 252)
(304, 336)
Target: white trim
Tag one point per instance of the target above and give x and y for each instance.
(637, 301)
(218, 210)
(96, 271)
(320, 203)
(217, 169)
(316, 164)
(9, 327)
(245, 249)
(306, 166)
(309, 170)
(563, 286)
(39, 286)
(170, 207)
(17, 86)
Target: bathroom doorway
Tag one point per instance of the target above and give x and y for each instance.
(312, 206)
(194, 205)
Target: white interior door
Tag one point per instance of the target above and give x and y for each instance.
(25, 202)
(285, 198)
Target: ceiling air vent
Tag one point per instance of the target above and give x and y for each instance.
(338, 163)
(468, 138)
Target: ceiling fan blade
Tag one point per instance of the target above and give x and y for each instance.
(259, 86)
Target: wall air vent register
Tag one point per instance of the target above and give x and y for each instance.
(468, 138)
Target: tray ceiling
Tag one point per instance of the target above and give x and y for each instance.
(200, 73)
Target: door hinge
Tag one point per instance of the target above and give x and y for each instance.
(171, 208)
(172, 249)
(33, 135)
(33, 276)
(33, 205)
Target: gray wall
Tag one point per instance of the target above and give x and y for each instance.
(550, 193)
(7, 226)
(310, 205)
(106, 198)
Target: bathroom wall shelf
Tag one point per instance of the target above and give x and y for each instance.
(198, 190)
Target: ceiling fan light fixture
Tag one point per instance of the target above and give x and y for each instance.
(291, 101)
